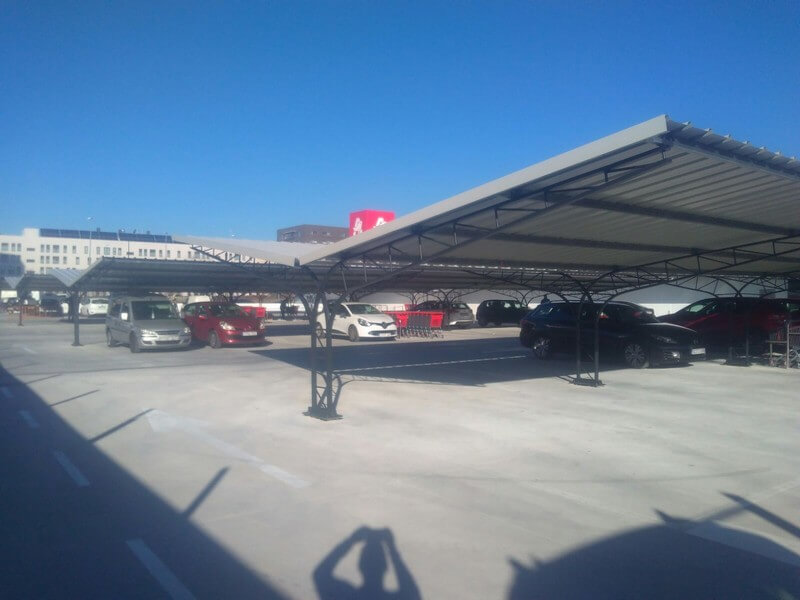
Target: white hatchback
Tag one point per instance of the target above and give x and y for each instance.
(93, 306)
(358, 321)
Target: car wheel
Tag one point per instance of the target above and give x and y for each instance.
(133, 344)
(636, 355)
(213, 340)
(110, 339)
(542, 347)
(352, 333)
(483, 322)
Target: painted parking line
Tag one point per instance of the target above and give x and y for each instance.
(73, 471)
(28, 350)
(433, 364)
(28, 418)
(7, 392)
(156, 567)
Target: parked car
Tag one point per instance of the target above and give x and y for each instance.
(724, 322)
(91, 307)
(456, 314)
(145, 323)
(627, 331)
(223, 324)
(358, 320)
(500, 311)
(50, 306)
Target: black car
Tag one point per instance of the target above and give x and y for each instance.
(50, 306)
(456, 314)
(627, 331)
(500, 311)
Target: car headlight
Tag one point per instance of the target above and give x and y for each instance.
(148, 333)
(226, 326)
(186, 331)
(664, 339)
(363, 322)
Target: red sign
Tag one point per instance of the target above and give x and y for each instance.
(363, 220)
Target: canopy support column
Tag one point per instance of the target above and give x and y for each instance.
(324, 398)
(76, 328)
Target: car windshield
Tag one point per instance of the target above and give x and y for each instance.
(99, 301)
(698, 306)
(226, 310)
(153, 309)
(458, 305)
(363, 309)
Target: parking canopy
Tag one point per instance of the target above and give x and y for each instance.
(662, 196)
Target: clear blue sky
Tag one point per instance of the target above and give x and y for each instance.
(220, 118)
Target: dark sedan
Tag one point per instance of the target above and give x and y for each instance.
(500, 311)
(627, 331)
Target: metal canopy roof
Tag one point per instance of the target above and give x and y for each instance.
(133, 274)
(662, 196)
(58, 280)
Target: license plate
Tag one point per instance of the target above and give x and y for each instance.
(698, 351)
(168, 338)
(249, 333)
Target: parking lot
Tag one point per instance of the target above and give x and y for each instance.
(195, 474)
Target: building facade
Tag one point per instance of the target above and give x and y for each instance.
(312, 234)
(39, 250)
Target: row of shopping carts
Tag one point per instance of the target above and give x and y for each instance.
(420, 325)
(784, 346)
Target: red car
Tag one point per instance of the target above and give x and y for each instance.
(223, 324)
(723, 322)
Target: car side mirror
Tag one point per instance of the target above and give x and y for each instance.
(123, 316)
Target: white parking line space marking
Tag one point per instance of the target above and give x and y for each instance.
(156, 567)
(73, 471)
(434, 364)
(162, 422)
(7, 392)
(28, 418)
(28, 350)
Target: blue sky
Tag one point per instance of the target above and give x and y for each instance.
(237, 118)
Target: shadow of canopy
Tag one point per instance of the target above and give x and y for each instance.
(60, 540)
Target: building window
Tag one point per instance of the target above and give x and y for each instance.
(152, 253)
(86, 249)
(41, 248)
(4, 247)
(160, 254)
(30, 249)
(77, 260)
(47, 260)
(47, 248)
(55, 248)
(98, 250)
(179, 253)
(74, 249)
(168, 253)
(55, 260)
(106, 251)
(29, 260)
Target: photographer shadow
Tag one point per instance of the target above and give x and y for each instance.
(378, 553)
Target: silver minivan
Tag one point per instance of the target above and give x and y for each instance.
(145, 323)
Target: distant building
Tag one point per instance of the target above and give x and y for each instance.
(312, 234)
(39, 250)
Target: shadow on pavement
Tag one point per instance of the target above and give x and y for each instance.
(378, 554)
(458, 362)
(77, 525)
(690, 560)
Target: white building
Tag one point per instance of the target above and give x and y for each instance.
(39, 250)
